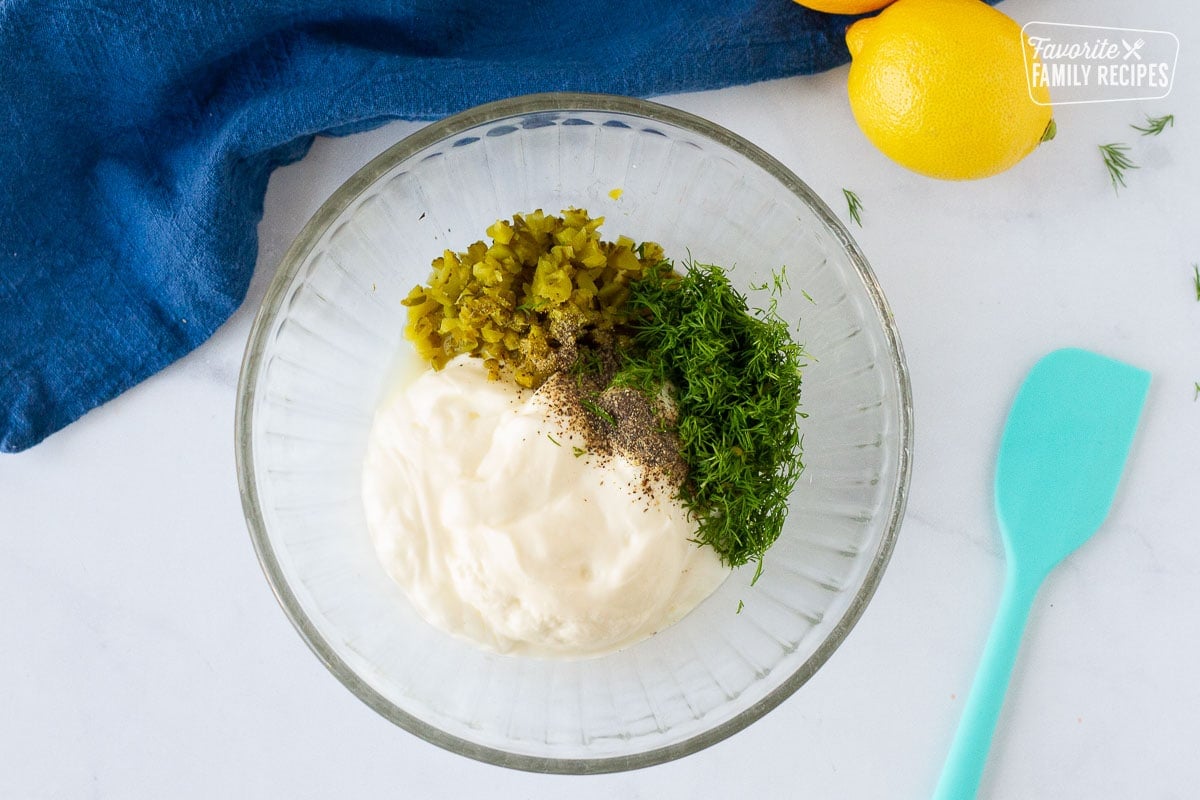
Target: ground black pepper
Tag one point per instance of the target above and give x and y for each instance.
(618, 421)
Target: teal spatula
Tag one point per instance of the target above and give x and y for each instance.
(1061, 456)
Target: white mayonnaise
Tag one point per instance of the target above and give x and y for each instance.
(480, 509)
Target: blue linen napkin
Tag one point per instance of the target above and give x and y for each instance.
(137, 136)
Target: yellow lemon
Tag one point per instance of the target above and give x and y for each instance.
(939, 86)
(844, 6)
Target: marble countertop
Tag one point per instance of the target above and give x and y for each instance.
(145, 655)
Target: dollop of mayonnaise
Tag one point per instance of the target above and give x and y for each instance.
(487, 510)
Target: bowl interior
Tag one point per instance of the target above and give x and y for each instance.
(328, 344)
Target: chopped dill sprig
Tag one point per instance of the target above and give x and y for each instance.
(588, 362)
(1196, 280)
(1196, 396)
(593, 408)
(736, 380)
(532, 306)
(779, 282)
(855, 206)
(741, 605)
(551, 438)
(1116, 161)
(1155, 125)
(578, 451)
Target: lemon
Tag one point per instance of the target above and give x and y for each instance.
(939, 86)
(844, 6)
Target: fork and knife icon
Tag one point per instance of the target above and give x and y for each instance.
(1132, 49)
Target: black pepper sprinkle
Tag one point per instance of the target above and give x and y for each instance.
(618, 420)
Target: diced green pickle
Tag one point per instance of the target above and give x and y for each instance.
(513, 299)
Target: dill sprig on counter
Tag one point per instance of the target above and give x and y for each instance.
(1155, 125)
(855, 206)
(735, 377)
(1116, 161)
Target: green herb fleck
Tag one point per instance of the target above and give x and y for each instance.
(855, 206)
(589, 362)
(592, 407)
(736, 379)
(551, 438)
(808, 297)
(1196, 280)
(532, 306)
(741, 605)
(1155, 125)
(1197, 394)
(779, 282)
(1116, 161)
(578, 451)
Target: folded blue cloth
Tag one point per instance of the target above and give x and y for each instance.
(137, 136)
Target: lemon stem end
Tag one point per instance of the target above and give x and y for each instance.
(1050, 132)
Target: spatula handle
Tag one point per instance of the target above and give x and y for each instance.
(968, 754)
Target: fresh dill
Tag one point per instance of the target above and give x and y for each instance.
(808, 297)
(855, 206)
(594, 408)
(736, 376)
(1116, 160)
(578, 451)
(1196, 396)
(741, 605)
(588, 362)
(552, 439)
(779, 282)
(532, 306)
(1155, 125)
(1196, 280)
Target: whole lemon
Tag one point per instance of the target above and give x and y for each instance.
(844, 6)
(939, 86)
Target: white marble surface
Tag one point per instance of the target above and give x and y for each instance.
(145, 657)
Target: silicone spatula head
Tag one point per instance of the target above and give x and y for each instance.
(1063, 452)
(1061, 457)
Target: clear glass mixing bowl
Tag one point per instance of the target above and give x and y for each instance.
(325, 344)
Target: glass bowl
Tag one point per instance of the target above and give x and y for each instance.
(325, 345)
